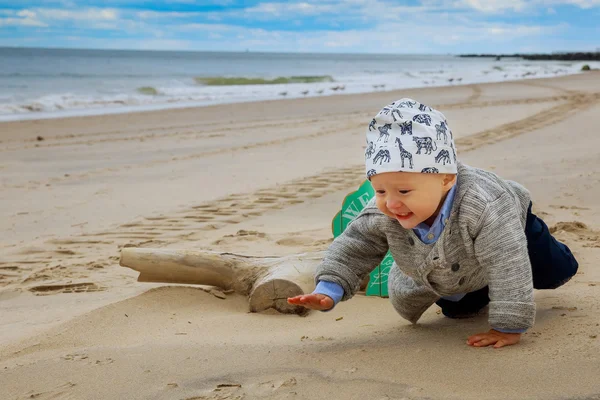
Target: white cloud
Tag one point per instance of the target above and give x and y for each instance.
(83, 18)
(495, 5)
(150, 14)
(290, 9)
(21, 18)
(90, 14)
(26, 14)
(500, 6)
(582, 3)
(516, 31)
(47, 15)
(21, 22)
(206, 28)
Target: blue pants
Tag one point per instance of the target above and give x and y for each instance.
(552, 265)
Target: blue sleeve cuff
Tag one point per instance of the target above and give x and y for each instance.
(510, 330)
(331, 289)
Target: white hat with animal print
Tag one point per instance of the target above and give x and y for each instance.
(407, 136)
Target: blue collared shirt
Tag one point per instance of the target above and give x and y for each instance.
(430, 234)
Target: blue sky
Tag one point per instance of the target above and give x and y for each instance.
(333, 26)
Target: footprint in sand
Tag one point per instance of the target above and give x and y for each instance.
(568, 207)
(303, 241)
(296, 384)
(581, 230)
(573, 226)
(296, 241)
(75, 357)
(82, 287)
(241, 235)
(59, 392)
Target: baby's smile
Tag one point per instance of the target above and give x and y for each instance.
(403, 216)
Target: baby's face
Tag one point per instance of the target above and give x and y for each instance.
(410, 197)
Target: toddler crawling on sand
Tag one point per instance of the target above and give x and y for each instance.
(461, 237)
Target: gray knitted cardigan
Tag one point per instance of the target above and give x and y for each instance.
(483, 243)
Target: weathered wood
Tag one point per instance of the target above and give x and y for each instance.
(225, 271)
(285, 277)
(268, 281)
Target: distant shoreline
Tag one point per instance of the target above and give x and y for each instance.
(159, 107)
(66, 83)
(578, 56)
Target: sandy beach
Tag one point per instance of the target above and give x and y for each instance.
(266, 178)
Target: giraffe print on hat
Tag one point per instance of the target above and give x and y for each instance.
(412, 137)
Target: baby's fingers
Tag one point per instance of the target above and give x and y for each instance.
(484, 342)
(295, 300)
(312, 301)
(476, 338)
(305, 300)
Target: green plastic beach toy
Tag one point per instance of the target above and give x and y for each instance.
(351, 207)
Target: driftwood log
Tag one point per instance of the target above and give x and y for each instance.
(267, 281)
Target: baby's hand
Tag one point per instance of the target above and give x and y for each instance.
(318, 302)
(498, 339)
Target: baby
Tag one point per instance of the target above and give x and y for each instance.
(461, 237)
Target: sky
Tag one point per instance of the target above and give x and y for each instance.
(321, 26)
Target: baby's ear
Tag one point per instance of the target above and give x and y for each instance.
(448, 181)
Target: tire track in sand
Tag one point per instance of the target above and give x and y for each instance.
(313, 127)
(537, 121)
(475, 95)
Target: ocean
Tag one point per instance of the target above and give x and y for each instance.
(46, 83)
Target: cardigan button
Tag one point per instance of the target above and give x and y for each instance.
(455, 267)
(411, 241)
